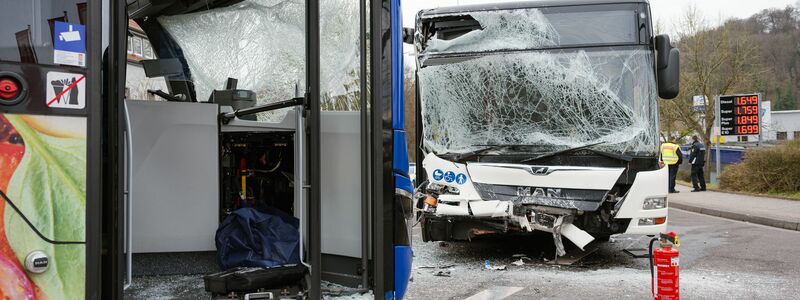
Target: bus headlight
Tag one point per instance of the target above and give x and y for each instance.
(652, 221)
(654, 203)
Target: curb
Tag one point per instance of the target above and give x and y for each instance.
(718, 190)
(738, 216)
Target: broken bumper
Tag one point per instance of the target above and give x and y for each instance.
(462, 211)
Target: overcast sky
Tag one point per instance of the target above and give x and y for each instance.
(664, 10)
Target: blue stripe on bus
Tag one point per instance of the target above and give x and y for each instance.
(398, 109)
(403, 183)
(402, 253)
(403, 256)
(400, 162)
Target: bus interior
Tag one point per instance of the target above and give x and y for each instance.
(229, 132)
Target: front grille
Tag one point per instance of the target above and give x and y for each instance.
(585, 200)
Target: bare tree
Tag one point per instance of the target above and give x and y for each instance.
(714, 61)
(670, 121)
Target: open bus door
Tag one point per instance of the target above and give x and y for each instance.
(351, 166)
(64, 232)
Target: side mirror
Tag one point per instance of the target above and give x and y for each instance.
(668, 68)
(408, 35)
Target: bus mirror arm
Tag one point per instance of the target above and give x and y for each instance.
(228, 116)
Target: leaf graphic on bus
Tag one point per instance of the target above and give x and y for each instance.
(49, 188)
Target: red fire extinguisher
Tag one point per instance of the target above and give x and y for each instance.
(664, 265)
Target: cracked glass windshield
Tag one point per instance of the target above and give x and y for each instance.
(542, 80)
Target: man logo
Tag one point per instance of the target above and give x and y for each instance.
(538, 192)
(539, 170)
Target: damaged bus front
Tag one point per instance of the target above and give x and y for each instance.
(541, 116)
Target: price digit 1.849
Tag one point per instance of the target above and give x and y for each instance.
(746, 120)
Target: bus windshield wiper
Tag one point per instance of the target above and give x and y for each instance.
(560, 151)
(465, 155)
(623, 157)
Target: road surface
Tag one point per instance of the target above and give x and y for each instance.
(720, 259)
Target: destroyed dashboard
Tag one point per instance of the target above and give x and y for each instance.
(259, 42)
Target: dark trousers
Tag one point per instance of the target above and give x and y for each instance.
(698, 179)
(673, 174)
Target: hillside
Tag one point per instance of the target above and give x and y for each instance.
(775, 33)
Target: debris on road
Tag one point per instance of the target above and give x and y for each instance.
(442, 273)
(521, 259)
(332, 291)
(356, 296)
(448, 266)
(488, 265)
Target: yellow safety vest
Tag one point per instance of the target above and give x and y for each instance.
(669, 153)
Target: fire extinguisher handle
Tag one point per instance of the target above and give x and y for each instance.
(671, 237)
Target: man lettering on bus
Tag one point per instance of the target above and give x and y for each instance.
(697, 157)
(671, 156)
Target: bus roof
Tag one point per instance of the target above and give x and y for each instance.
(521, 4)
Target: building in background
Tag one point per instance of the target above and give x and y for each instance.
(136, 83)
(786, 124)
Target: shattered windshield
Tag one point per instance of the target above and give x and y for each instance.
(551, 99)
(262, 44)
(529, 29)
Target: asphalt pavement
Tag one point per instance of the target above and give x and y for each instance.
(720, 259)
(781, 213)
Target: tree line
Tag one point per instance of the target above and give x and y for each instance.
(756, 54)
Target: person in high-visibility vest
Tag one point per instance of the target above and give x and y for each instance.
(671, 156)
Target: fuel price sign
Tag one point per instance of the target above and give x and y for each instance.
(739, 114)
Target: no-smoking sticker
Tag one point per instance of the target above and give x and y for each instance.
(66, 90)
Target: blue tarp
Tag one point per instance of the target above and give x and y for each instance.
(252, 237)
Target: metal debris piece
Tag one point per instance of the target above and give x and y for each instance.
(574, 256)
(557, 237)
